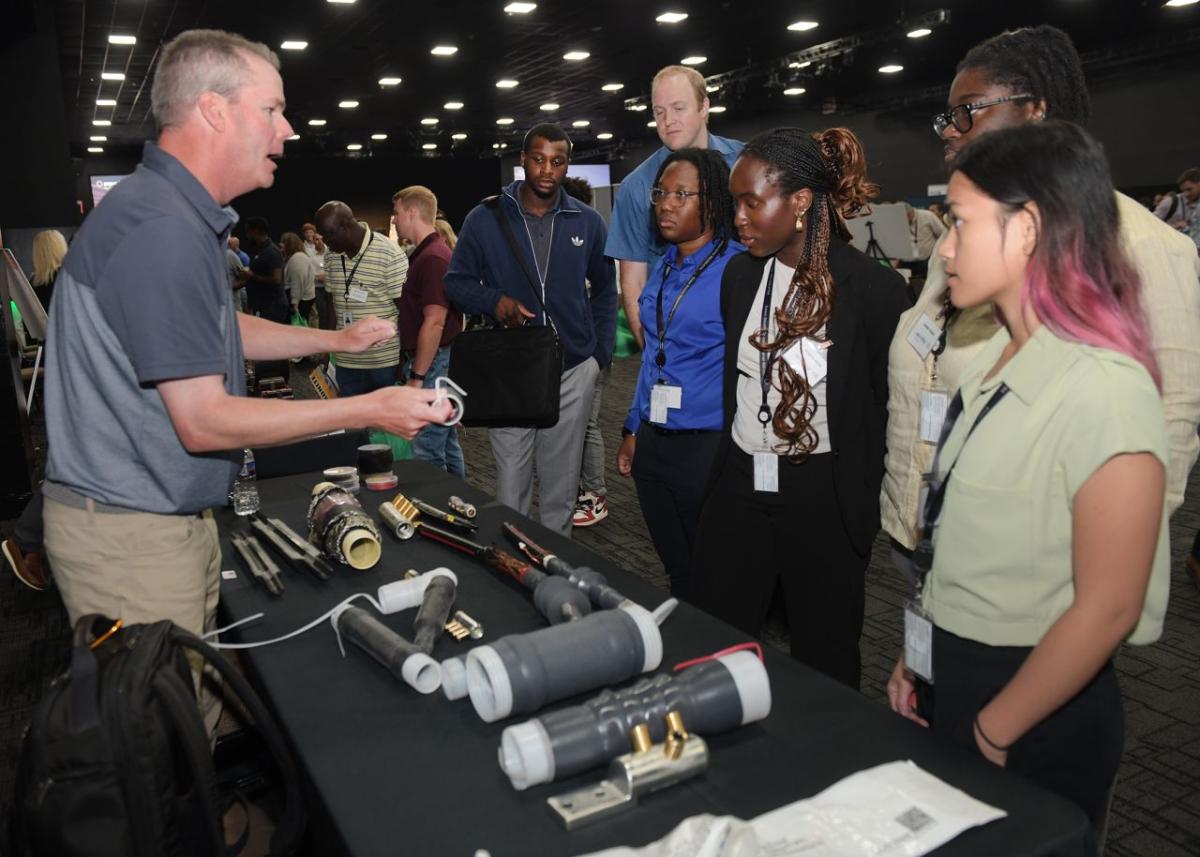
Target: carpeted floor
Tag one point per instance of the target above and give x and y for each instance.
(1156, 810)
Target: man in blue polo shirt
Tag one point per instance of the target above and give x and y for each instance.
(680, 103)
(146, 414)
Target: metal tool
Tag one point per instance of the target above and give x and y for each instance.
(649, 768)
(462, 507)
(287, 548)
(474, 628)
(302, 544)
(444, 517)
(257, 562)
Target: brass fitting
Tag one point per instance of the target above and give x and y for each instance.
(639, 737)
(473, 627)
(676, 735)
(456, 630)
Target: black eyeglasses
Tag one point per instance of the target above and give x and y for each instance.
(658, 195)
(961, 116)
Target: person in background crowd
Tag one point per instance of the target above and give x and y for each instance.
(591, 506)
(427, 322)
(673, 429)
(138, 456)
(794, 496)
(1028, 75)
(1046, 541)
(938, 210)
(237, 277)
(1187, 218)
(315, 247)
(364, 276)
(235, 244)
(562, 243)
(49, 250)
(299, 276)
(443, 228)
(266, 295)
(680, 102)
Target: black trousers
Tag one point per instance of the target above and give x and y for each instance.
(1075, 752)
(750, 541)
(670, 472)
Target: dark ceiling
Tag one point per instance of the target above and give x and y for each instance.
(748, 46)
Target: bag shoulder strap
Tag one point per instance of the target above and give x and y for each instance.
(494, 204)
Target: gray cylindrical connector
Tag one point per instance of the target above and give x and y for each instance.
(559, 601)
(592, 583)
(403, 659)
(713, 696)
(520, 673)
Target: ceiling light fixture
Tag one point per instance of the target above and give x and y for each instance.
(520, 8)
(316, 123)
(429, 120)
(612, 87)
(444, 50)
(576, 56)
(106, 102)
(802, 26)
(799, 64)
(294, 137)
(604, 135)
(377, 136)
(453, 105)
(717, 108)
(712, 88)
(112, 75)
(919, 33)
(497, 145)
(348, 104)
(101, 123)
(671, 17)
(353, 147)
(1177, 3)
(580, 123)
(95, 150)
(293, 45)
(638, 108)
(651, 124)
(695, 60)
(549, 106)
(99, 139)
(891, 69)
(122, 40)
(459, 136)
(505, 120)
(429, 147)
(346, 2)
(390, 81)
(794, 90)
(507, 83)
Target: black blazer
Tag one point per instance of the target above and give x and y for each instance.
(867, 302)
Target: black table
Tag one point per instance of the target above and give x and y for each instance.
(391, 771)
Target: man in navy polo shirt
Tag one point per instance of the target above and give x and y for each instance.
(145, 408)
(680, 102)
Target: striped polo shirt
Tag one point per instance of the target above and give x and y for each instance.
(381, 271)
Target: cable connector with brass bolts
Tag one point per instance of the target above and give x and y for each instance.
(472, 626)
(462, 507)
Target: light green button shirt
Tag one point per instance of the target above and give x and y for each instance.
(1002, 571)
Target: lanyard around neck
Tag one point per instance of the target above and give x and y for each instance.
(660, 357)
(350, 277)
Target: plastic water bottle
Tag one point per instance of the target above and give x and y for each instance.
(245, 488)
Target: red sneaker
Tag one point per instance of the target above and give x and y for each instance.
(26, 566)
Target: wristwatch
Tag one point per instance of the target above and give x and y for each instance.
(627, 432)
(417, 375)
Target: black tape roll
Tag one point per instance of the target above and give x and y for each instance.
(374, 458)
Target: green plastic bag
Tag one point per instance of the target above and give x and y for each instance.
(299, 320)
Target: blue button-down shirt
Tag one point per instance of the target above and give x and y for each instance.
(695, 342)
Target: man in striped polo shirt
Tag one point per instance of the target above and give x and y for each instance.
(364, 276)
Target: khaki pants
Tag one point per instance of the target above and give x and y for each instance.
(139, 567)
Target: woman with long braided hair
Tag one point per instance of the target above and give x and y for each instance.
(794, 496)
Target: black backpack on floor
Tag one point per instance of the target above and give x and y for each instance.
(116, 759)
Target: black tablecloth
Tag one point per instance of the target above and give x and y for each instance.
(394, 772)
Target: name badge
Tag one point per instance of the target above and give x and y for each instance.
(924, 336)
(766, 472)
(358, 295)
(808, 358)
(933, 414)
(918, 641)
(662, 397)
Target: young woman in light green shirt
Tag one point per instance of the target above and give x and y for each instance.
(1045, 531)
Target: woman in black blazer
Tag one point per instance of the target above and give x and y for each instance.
(794, 496)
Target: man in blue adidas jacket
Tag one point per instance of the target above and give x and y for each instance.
(562, 244)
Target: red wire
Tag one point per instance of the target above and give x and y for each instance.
(740, 647)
